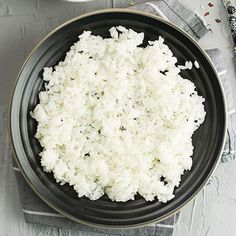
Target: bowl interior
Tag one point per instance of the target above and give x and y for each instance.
(207, 140)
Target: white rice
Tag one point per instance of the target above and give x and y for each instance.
(181, 67)
(118, 119)
(196, 64)
(188, 65)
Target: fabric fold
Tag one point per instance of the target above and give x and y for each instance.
(36, 211)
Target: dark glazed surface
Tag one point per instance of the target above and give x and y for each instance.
(207, 140)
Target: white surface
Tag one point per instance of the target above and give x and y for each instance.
(22, 24)
(213, 212)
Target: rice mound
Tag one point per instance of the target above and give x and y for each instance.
(117, 118)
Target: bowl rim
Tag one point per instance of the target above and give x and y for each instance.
(193, 196)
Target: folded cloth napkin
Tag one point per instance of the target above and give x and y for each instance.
(36, 211)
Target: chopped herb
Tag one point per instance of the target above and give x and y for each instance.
(122, 128)
(163, 72)
(162, 179)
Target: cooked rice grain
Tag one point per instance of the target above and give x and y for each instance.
(117, 118)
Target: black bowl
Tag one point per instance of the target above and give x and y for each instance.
(208, 139)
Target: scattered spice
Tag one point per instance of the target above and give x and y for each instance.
(162, 179)
(231, 9)
(210, 4)
(232, 19)
(217, 20)
(232, 25)
(206, 13)
(209, 28)
(122, 128)
(164, 72)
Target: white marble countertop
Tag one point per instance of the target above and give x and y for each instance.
(22, 24)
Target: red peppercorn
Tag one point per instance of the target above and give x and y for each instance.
(210, 4)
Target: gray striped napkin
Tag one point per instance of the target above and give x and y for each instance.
(36, 211)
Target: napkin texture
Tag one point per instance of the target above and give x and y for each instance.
(36, 211)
